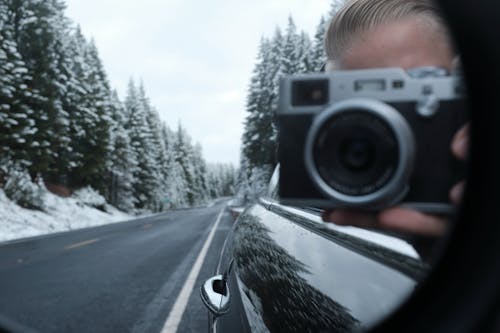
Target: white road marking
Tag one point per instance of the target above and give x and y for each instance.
(175, 315)
(87, 242)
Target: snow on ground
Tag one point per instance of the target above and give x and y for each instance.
(61, 214)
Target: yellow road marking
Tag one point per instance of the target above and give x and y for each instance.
(146, 226)
(87, 242)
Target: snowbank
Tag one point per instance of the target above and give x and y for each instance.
(61, 214)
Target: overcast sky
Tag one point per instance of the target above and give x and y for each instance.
(194, 57)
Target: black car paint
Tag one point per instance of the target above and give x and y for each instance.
(294, 274)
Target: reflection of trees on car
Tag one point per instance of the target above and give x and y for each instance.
(409, 266)
(289, 303)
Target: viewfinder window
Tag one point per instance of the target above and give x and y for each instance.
(309, 92)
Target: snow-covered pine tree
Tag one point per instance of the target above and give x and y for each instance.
(306, 63)
(221, 179)
(214, 180)
(94, 148)
(61, 76)
(37, 30)
(200, 186)
(156, 151)
(318, 54)
(79, 102)
(140, 140)
(16, 116)
(242, 187)
(122, 161)
(259, 134)
(296, 53)
(289, 54)
(228, 176)
(175, 182)
(184, 152)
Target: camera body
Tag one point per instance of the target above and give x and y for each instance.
(370, 139)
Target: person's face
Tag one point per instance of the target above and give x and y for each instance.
(407, 43)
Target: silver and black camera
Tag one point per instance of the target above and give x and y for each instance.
(370, 139)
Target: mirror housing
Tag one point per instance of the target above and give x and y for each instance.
(215, 295)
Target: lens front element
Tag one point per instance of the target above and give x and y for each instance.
(356, 152)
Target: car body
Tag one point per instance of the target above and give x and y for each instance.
(287, 271)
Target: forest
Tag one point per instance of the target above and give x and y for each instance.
(284, 53)
(62, 126)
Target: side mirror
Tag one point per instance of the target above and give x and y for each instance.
(215, 295)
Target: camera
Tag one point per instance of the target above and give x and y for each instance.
(370, 139)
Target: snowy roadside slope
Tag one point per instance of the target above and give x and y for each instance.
(61, 214)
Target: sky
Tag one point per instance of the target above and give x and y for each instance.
(195, 58)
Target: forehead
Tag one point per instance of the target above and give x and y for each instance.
(411, 42)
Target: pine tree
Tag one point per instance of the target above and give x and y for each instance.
(122, 161)
(318, 54)
(214, 180)
(282, 55)
(200, 186)
(184, 157)
(75, 102)
(61, 145)
(140, 140)
(290, 57)
(156, 151)
(38, 27)
(175, 182)
(305, 59)
(259, 134)
(94, 148)
(16, 123)
(221, 180)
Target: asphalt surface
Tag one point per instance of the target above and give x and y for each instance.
(122, 277)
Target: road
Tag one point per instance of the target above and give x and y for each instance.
(122, 277)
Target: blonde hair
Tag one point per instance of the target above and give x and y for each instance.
(357, 16)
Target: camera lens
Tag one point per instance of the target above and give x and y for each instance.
(356, 152)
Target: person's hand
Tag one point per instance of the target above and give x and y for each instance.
(404, 219)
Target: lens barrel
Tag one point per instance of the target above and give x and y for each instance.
(360, 152)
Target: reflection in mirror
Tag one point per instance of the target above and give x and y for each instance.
(358, 102)
(373, 151)
(215, 295)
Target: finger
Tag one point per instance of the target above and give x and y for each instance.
(409, 220)
(351, 218)
(457, 192)
(460, 143)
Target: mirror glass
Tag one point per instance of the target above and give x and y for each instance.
(319, 146)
